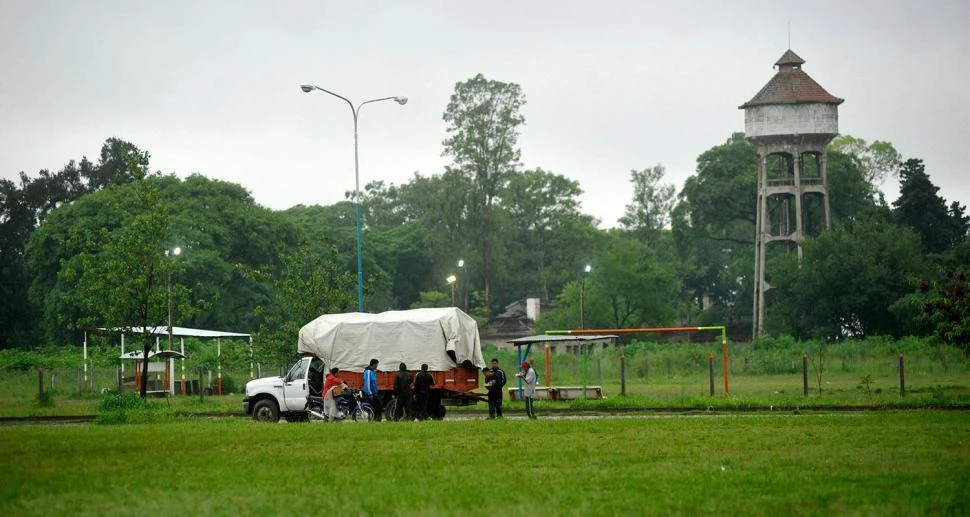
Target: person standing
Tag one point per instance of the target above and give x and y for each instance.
(402, 392)
(423, 382)
(530, 379)
(370, 389)
(495, 383)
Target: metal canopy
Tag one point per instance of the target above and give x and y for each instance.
(180, 332)
(138, 355)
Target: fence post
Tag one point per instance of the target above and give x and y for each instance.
(805, 373)
(902, 377)
(710, 370)
(40, 383)
(201, 391)
(121, 379)
(622, 375)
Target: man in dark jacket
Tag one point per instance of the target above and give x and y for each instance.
(423, 382)
(402, 392)
(495, 383)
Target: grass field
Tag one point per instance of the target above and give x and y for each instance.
(18, 393)
(777, 463)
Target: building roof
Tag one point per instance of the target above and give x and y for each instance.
(791, 85)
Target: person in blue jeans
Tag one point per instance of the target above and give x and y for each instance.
(370, 389)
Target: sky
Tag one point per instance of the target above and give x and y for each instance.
(212, 87)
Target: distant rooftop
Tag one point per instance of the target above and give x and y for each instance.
(791, 85)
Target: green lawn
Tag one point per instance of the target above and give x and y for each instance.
(780, 463)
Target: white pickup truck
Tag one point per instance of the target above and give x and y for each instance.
(444, 339)
(269, 398)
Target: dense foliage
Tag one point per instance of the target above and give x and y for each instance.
(95, 232)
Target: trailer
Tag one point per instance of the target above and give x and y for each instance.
(446, 339)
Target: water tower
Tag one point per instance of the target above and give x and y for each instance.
(791, 121)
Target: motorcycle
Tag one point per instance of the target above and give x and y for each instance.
(350, 403)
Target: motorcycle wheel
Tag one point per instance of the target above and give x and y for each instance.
(365, 414)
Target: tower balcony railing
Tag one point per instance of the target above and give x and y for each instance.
(780, 182)
(787, 182)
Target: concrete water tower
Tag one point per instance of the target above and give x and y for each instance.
(791, 121)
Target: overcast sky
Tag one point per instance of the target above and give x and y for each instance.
(213, 87)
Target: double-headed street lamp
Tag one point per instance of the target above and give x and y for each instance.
(355, 110)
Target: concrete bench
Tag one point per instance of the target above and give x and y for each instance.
(561, 392)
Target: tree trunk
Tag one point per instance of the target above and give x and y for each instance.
(144, 369)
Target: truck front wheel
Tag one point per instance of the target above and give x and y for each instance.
(266, 410)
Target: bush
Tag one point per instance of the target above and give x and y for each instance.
(45, 399)
(228, 384)
(129, 408)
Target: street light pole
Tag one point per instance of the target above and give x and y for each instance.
(582, 296)
(452, 280)
(463, 278)
(174, 253)
(355, 111)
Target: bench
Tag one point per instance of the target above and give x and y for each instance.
(561, 392)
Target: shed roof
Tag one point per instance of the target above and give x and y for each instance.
(181, 332)
(791, 85)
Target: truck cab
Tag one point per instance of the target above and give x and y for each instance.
(269, 398)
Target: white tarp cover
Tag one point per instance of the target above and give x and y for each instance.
(442, 338)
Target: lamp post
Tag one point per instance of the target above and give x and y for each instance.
(464, 285)
(174, 252)
(355, 110)
(451, 280)
(582, 296)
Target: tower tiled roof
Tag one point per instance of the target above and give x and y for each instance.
(791, 85)
(789, 58)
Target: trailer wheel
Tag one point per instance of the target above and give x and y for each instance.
(266, 411)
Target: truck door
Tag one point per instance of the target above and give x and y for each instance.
(295, 386)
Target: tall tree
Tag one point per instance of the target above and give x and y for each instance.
(628, 286)
(846, 280)
(483, 117)
(713, 226)
(25, 206)
(876, 160)
(538, 203)
(123, 278)
(217, 224)
(946, 309)
(652, 203)
(310, 284)
(120, 162)
(920, 207)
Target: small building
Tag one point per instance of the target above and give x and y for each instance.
(516, 321)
